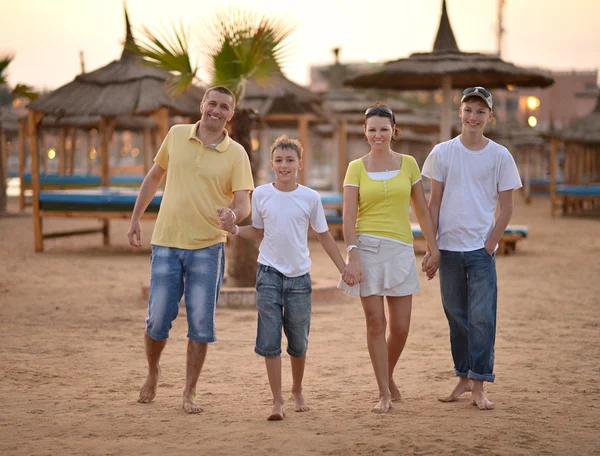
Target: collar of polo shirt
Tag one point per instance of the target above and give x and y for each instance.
(221, 147)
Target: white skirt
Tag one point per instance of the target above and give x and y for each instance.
(389, 268)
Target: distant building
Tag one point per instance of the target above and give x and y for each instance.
(573, 95)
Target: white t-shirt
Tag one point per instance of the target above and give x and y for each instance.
(285, 217)
(472, 180)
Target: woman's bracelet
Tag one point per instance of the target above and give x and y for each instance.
(237, 230)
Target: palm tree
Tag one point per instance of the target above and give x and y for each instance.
(239, 46)
(4, 63)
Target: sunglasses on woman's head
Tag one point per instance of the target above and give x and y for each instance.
(480, 90)
(379, 110)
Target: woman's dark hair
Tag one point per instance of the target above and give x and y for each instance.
(381, 109)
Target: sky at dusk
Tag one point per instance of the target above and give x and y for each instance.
(46, 36)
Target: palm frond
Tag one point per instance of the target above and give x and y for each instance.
(4, 62)
(170, 52)
(241, 45)
(23, 90)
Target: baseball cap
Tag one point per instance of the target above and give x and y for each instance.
(478, 92)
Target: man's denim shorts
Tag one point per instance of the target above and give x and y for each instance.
(198, 274)
(282, 302)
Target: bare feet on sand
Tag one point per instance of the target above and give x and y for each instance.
(300, 405)
(277, 413)
(479, 399)
(148, 391)
(464, 385)
(394, 391)
(383, 406)
(189, 403)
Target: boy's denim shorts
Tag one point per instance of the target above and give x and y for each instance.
(282, 302)
(198, 274)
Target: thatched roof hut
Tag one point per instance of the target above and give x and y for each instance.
(447, 67)
(585, 130)
(280, 96)
(124, 87)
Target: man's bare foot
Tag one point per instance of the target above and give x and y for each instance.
(463, 386)
(148, 391)
(394, 391)
(479, 399)
(300, 405)
(189, 403)
(383, 406)
(277, 413)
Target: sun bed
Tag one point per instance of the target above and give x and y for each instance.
(508, 243)
(578, 199)
(102, 203)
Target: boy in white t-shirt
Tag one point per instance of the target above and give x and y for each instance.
(281, 214)
(470, 175)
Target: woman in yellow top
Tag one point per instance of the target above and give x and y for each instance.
(378, 189)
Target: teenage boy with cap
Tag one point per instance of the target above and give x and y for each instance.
(470, 175)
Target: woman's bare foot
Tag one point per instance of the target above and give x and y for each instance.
(383, 406)
(300, 405)
(463, 386)
(189, 403)
(395, 392)
(479, 399)
(277, 413)
(148, 391)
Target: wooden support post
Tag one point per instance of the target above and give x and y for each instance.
(72, 150)
(161, 117)
(43, 139)
(147, 151)
(527, 188)
(22, 158)
(62, 157)
(446, 114)
(303, 133)
(3, 170)
(89, 148)
(34, 119)
(587, 174)
(553, 146)
(107, 125)
(342, 161)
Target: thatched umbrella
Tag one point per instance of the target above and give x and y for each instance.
(283, 102)
(125, 87)
(581, 148)
(447, 67)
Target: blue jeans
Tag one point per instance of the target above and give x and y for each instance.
(469, 295)
(198, 273)
(282, 302)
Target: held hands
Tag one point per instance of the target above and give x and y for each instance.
(226, 219)
(134, 235)
(352, 274)
(431, 262)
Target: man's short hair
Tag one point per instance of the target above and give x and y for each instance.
(220, 89)
(285, 142)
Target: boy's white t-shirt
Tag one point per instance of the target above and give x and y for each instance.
(285, 217)
(472, 180)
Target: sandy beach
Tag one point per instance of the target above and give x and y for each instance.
(72, 359)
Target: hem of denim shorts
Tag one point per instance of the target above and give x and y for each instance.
(295, 354)
(481, 377)
(460, 374)
(267, 354)
(155, 337)
(202, 340)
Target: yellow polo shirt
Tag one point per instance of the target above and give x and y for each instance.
(200, 179)
(383, 205)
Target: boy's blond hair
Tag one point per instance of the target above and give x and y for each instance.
(285, 142)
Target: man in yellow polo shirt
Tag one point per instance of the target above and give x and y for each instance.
(208, 179)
